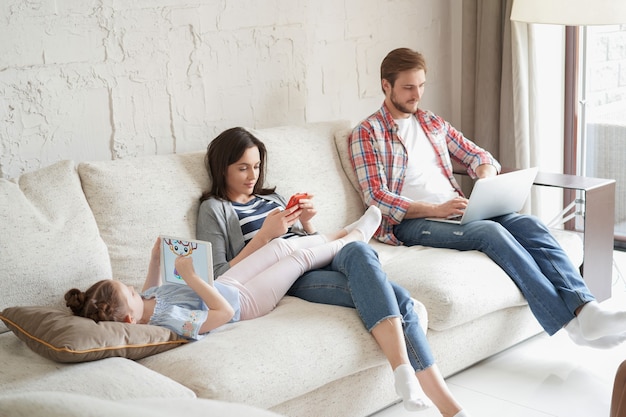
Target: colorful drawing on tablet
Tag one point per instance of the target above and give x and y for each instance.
(199, 251)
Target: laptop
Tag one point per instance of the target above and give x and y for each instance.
(200, 251)
(496, 196)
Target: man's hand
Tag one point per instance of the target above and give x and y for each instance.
(450, 208)
(419, 209)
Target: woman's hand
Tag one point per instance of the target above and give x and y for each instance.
(278, 222)
(308, 209)
(275, 224)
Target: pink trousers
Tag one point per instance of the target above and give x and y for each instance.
(264, 277)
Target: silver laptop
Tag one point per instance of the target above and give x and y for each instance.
(496, 196)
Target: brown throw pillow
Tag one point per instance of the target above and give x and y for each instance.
(63, 337)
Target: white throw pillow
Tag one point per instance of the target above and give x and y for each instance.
(135, 200)
(341, 141)
(50, 241)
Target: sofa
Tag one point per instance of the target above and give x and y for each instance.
(70, 224)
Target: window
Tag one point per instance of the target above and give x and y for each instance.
(602, 112)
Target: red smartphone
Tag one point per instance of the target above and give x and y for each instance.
(295, 199)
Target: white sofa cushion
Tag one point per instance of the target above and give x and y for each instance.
(445, 281)
(228, 358)
(113, 378)
(65, 251)
(135, 200)
(55, 404)
(439, 278)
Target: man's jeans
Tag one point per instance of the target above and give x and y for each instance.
(355, 279)
(524, 248)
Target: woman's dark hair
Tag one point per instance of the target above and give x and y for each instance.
(226, 149)
(101, 302)
(400, 60)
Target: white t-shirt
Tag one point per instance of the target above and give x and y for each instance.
(424, 179)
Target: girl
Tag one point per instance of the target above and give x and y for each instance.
(239, 216)
(249, 290)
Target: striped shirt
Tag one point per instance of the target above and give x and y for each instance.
(252, 215)
(379, 158)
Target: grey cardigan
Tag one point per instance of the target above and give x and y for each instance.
(218, 224)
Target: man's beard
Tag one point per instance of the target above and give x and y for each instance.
(400, 107)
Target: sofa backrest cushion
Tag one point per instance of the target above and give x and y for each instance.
(305, 159)
(341, 142)
(50, 241)
(136, 200)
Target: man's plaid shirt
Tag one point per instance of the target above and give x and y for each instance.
(379, 159)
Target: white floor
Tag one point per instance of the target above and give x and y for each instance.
(541, 377)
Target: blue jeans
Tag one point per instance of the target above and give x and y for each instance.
(524, 248)
(355, 279)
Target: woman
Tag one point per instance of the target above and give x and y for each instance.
(239, 215)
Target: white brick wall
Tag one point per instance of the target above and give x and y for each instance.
(97, 80)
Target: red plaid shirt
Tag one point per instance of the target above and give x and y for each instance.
(379, 159)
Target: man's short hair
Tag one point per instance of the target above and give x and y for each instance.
(399, 60)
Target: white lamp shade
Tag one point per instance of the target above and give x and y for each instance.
(570, 12)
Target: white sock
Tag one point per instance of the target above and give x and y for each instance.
(351, 226)
(354, 225)
(462, 413)
(606, 342)
(409, 389)
(596, 322)
(367, 224)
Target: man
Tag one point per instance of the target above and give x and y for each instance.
(402, 157)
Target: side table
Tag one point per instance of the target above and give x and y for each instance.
(598, 229)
